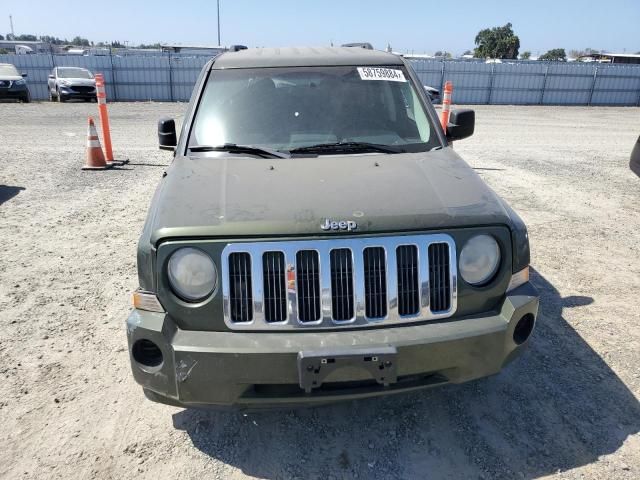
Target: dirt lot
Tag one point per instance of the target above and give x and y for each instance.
(70, 409)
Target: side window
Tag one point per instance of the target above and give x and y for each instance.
(415, 112)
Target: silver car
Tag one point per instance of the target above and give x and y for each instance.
(66, 83)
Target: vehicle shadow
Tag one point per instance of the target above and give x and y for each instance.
(8, 192)
(557, 407)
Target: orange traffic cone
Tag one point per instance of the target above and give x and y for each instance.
(95, 157)
(446, 105)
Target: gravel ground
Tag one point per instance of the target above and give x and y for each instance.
(69, 407)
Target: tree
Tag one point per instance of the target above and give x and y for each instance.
(438, 53)
(53, 40)
(554, 55)
(79, 41)
(526, 55)
(497, 42)
(26, 38)
(467, 52)
(1, 37)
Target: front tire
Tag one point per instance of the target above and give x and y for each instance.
(60, 98)
(26, 98)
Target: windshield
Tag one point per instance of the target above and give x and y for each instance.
(9, 70)
(289, 108)
(74, 73)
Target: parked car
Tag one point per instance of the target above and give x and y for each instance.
(13, 84)
(316, 239)
(433, 93)
(66, 83)
(634, 163)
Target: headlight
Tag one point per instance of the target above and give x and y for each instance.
(479, 259)
(192, 274)
(20, 81)
(64, 83)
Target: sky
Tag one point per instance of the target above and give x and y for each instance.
(418, 26)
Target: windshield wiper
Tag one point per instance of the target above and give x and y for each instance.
(347, 147)
(235, 148)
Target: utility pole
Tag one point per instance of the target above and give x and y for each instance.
(218, 22)
(13, 34)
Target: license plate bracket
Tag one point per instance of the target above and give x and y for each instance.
(315, 365)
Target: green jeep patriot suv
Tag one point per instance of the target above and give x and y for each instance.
(316, 238)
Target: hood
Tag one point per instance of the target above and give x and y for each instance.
(13, 78)
(235, 196)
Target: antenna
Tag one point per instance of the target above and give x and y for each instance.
(218, 22)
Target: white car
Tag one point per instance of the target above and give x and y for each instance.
(66, 83)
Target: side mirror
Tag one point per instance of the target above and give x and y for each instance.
(461, 124)
(634, 164)
(52, 77)
(167, 134)
(23, 75)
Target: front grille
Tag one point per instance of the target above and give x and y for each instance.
(275, 287)
(308, 275)
(5, 83)
(337, 283)
(240, 297)
(408, 288)
(341, 284)
(375, 282)
(440, 291)
(82, 89)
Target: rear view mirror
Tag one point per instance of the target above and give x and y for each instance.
(52, 77)
(23, 75)
(634, 164)
(167, 134)
(461, 124)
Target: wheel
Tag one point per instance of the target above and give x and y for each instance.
(60, 97)
(50, 96)
(26, 98)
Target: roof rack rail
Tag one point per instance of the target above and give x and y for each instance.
(365, 45)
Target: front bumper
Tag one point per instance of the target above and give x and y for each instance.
(248, 369)
(15, 91)
(69, 92)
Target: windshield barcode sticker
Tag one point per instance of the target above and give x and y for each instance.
(376, 73)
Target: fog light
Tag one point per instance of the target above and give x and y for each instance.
(523, 329)
(146, 353)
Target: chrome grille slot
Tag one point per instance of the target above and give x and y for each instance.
(308, 285)
(439, 273)
(241, 299)
(339, 282)
(342, 284)
(408, 293)
(274, 284)
(375, 282)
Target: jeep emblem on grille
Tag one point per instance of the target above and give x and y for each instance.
(347, 225)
